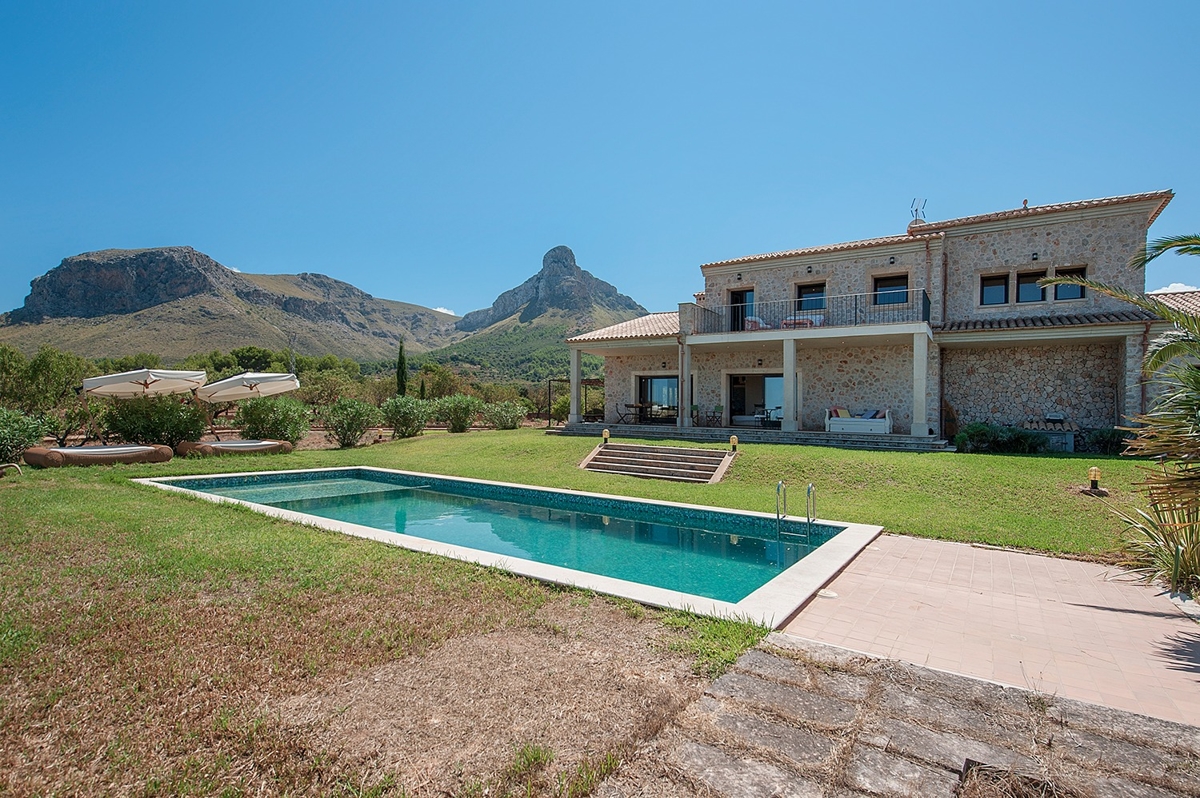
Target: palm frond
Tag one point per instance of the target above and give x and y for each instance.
(1181, 319)
(1172, 345)
(1184, 245)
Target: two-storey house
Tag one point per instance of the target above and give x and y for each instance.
(940, 326)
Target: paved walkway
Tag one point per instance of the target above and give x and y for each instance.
(1062, 627)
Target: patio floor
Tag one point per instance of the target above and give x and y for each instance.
(1063, 627)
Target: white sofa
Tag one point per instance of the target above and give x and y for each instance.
(877, 426)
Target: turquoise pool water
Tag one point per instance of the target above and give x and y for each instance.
(724, 556)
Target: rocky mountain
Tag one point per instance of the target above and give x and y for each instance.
(561, 286)
(175, 301)
(522, 334)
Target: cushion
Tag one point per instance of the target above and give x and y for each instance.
(843, 412)
(881, 414)
(867, 414)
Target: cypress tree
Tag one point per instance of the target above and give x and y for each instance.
(401, 371)
(422, 388)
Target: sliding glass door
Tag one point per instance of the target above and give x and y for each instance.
(658, 398)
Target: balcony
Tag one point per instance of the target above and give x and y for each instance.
(847, 310)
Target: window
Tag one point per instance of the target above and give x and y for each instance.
(993, 290)
(810, 297)
(1069, 291)
(1028, 289)
(891, 290)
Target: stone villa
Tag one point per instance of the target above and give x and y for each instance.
(925, 332)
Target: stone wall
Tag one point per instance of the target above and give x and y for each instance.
(859, 378)
(1102, 245)
(1010, 385)
(620, 387)
(776, 281)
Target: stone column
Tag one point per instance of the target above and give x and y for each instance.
(920, 422)
(576, 415)
(685, 386)
(789, 424)
(1131, 383)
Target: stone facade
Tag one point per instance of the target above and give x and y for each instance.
(1102, 246)
(998, 363)
(1010, 385)
(860, 378)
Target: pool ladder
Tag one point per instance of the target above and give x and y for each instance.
(810, 506)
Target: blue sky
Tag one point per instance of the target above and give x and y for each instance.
(433, 152)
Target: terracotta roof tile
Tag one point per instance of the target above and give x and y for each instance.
(656, 325)
(1037, 210)
(1187, 301)
(932, 229)
(1120, 317)
(863, 244)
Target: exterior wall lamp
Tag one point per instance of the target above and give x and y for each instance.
(664, 364)
(760, 361)
(892, 261)
(739, 277)
(1034, 257)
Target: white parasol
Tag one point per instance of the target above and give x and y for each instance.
(248, 386)
(144, 382)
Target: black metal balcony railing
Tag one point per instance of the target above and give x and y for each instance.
(847, 310)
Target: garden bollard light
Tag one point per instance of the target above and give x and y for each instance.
(605, 436)
(733, 443)
(1094, 476)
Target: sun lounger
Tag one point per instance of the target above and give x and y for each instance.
(210, 448)
(95, 455)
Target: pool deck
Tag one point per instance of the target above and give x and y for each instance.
(1063, 627)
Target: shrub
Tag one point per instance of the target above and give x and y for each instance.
(458, 411)
(561, 409)
(1106, 441)
(406, 415)
(17, 433)
(1164, 544)
(282, 419)
(147, 420)
(978, 437)
(504, 415)
(348, 419)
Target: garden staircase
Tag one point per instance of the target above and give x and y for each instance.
(659, 462)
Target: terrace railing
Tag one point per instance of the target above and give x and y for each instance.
(846, 310)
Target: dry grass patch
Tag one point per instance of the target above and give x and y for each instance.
(152, 644)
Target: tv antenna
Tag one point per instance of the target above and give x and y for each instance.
(918, 208)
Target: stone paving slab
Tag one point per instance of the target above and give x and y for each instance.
(1062, 627)
(799, 718)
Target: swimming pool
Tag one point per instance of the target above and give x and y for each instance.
(704, 559)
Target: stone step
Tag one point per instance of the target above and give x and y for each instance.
(654, 466)
(673, 451)
(669, 475)
(704, 462)
(680, 464)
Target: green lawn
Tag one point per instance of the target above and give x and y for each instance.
(1022, 501)
(158, 623)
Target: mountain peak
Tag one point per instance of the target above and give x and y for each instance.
(560, 286)
(109, 281)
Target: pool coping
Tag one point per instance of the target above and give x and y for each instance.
(772, 604)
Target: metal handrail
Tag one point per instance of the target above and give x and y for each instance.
(845, 310)
(810, 503)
